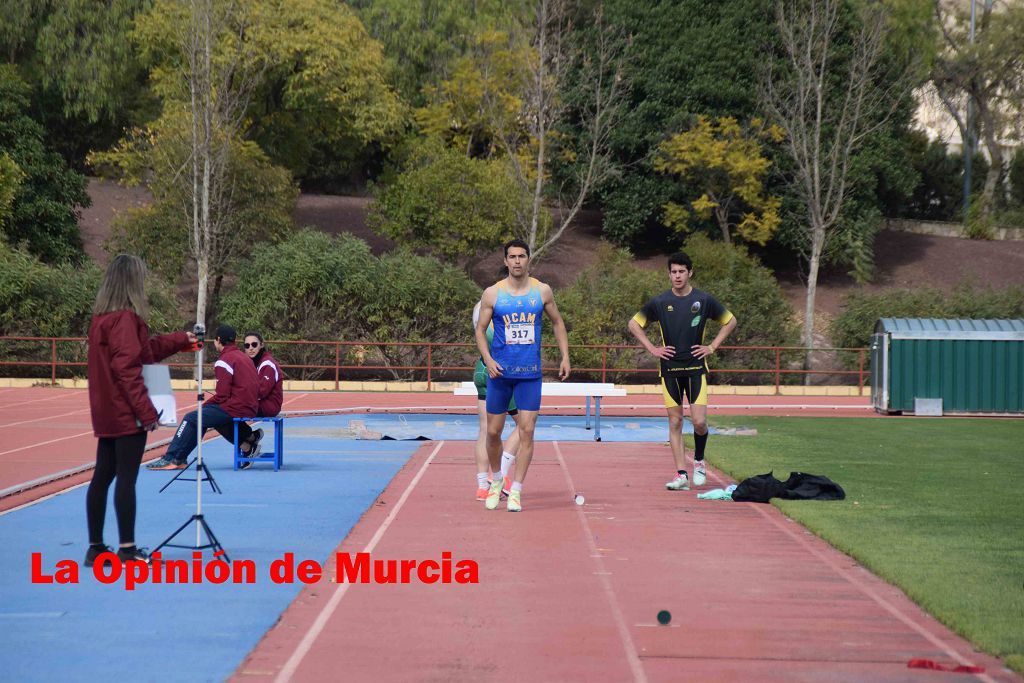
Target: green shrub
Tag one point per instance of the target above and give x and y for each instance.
(299, 289)
(40, 211)
(1010, 218)
(156, 234)
(1016, 179)
(39, 300)
(979, 226)
(632, 204)
(449, 203)
(316, 287)
(598, 307)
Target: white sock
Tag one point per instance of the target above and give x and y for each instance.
(481, 480)
(517, 486)
(507, 459)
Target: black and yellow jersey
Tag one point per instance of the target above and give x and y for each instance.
(682, 320)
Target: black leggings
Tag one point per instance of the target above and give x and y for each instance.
(118, 458)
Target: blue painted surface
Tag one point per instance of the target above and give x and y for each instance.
(465, 427)
(193, 632)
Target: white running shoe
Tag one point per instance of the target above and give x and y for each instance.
(700, 473)
(493, 495)
(679, 483)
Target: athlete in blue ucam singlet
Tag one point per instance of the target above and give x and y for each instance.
(516, 320)
(513, 360)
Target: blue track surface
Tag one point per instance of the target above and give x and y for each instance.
(91, 631)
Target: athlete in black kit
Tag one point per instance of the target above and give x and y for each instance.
(683, 313)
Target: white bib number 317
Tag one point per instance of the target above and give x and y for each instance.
(519, 333)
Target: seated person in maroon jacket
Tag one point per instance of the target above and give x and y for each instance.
(270, 394)
(237, 386)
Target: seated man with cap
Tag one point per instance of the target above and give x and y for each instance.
(235, 396)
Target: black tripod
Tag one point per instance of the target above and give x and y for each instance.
(202, 472)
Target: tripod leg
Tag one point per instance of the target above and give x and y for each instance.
(209, 478)
(175, 477)
(176, 532)
(214, 543)
(201, 471)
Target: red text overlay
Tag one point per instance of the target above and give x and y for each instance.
(347, 568)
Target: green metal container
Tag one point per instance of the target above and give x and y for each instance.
(929, 366)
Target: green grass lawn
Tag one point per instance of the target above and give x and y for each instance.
(933, 506)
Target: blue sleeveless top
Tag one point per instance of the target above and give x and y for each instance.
(517, 320)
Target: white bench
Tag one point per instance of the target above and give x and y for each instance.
(589, 390)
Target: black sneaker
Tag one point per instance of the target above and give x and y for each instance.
(257, 436)
(133, 554)
(95, 551)
(245, 464)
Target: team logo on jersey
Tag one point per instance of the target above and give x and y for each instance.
(695, 308)
(670, 309)
(695, 321)
(533, 302)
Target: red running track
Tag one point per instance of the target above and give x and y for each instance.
(45, 431)
(571, 593)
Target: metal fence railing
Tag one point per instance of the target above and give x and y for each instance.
(63, 357)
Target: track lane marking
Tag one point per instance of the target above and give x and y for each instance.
(620, 622)
(317, 627)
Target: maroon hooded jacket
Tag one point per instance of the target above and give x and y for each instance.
(119, 345)
(271, 392)
(237, 383)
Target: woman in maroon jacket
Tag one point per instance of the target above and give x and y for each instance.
(270, 393)
(122, 414)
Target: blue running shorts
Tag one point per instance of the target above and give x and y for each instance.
(501, 389)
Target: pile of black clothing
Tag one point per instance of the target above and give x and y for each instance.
(799, 486)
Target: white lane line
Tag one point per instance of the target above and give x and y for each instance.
(302, 649)
(34, 400)
(627, 641)
(41, 419)
(46, 443)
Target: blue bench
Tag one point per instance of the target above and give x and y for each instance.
(276, 456)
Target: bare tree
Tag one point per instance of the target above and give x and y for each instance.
(600, 71)
(219, 89)
(985, 74)
(827, 104)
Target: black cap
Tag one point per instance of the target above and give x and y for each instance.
(226, 334)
